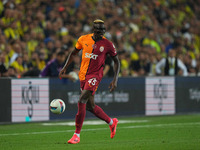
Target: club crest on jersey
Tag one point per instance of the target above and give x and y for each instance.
(92, 82)
(92, 56)
(94, 46)
(101, 49)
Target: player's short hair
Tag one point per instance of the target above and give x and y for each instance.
(98, 21)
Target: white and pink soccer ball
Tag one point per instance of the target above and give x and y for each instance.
(57, 106)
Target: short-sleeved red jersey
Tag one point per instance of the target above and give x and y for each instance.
(93, 56)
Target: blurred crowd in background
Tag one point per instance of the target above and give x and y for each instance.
(36, 36)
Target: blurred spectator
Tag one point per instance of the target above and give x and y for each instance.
(11, 72)
(25, 60)
(2, 42)
(141, 67)
(153, 62)
(154, 27)
(125, 72)
(3, 69)
(171, 65)
(18, 65)
(17, 51)
(32, 65)
(41, 63)
(168, 44)
(34, 62)
(152, 41)
(125, 61)
(53, 67)
(190, 64)
(198, 66)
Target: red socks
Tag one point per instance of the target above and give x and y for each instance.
(98, 112)
(80, 116)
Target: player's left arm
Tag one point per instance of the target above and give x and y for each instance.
(113, 84)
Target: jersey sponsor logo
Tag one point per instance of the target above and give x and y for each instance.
(92, 82)
(92, 56)
(101, 49)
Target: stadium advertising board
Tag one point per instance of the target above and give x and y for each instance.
(160, 95)
(5, 100)
(30, 100)
(104, 97)
(127, 99)
(187, 94)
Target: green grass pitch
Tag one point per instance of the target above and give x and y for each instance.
(178, 132)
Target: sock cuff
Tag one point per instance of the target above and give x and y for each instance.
(110, 122)
(78, 134)
(81, 104)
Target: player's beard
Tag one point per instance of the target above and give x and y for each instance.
(98, 35)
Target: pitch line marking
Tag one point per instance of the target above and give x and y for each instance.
(93, 122)
(137, 126)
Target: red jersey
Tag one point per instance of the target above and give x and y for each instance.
(93, 56)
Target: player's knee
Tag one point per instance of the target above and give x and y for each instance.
(83, 99)
(90, 107)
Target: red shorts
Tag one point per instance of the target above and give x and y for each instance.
(90, 84)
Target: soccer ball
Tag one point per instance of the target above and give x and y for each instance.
(57, 106)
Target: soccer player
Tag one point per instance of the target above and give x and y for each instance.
(95, 47)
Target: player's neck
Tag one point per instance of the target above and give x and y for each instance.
(96, 37)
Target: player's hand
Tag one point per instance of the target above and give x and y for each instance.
(62, 71)
(68, 77)
(112, 85)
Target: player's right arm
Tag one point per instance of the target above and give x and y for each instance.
(70, 58)
(68, 62)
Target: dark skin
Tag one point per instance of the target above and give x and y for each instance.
(86, 95)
